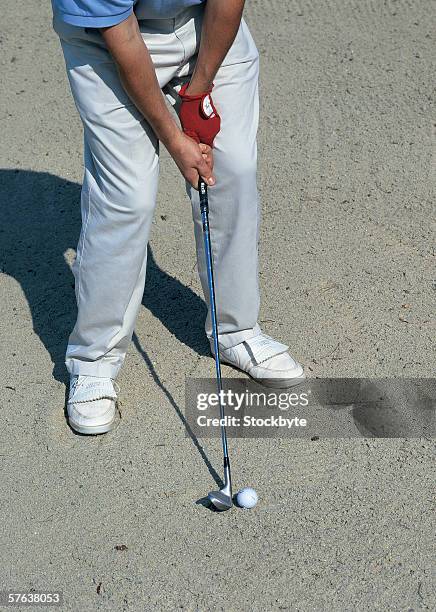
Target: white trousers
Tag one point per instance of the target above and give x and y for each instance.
(120, 184)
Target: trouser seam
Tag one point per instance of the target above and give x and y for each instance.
(82, 254)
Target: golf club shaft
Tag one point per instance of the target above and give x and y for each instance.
(204, 207)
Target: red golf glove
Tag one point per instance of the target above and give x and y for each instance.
(199, 117)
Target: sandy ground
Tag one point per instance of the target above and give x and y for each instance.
(348, 280)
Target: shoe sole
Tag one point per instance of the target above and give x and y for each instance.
(275, 383)
(94, 430)
(280, 383)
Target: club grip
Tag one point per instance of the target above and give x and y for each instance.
(202, 190)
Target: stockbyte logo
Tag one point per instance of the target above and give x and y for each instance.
(251, 421)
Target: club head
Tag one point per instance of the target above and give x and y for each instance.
(220, 500)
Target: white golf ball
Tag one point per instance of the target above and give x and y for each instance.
(247, 497)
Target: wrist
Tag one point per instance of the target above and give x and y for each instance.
(174, 143)
(198, 86)
(168, 132)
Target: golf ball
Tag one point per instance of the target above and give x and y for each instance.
(247, 497)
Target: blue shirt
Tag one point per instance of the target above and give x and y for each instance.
(104, 13)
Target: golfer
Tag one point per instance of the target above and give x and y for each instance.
(122, 57)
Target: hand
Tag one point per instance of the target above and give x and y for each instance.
(199, 117)
(193, 159)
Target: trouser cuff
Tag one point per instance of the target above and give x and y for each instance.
(101, 368)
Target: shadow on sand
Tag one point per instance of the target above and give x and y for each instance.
(39, 224)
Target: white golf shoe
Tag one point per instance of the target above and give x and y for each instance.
(265, 360)
(92, 404)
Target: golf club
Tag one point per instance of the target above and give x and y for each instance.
(221, 500)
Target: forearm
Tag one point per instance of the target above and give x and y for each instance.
(220, 25)
(138, 76)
